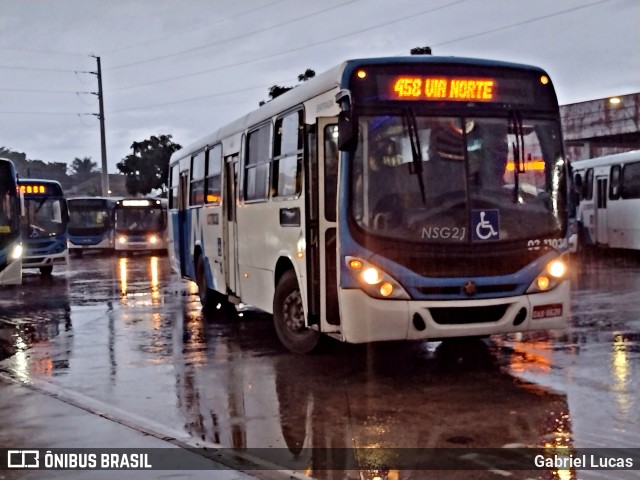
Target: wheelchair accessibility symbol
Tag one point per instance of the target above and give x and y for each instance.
(486, 225)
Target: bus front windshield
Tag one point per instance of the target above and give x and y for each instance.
(134, 219)
(475, 179)
(44, 217)
(88, 219)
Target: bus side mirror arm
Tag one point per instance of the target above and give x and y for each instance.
(347, 127)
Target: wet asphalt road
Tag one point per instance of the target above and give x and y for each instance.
(130, 336)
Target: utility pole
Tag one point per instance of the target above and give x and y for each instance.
(103, 142)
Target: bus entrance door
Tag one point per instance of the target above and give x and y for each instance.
(229, 226)
(602, 236)
(328, 156)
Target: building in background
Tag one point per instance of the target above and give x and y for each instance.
(601, 127)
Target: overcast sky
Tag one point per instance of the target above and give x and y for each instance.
(185, 67)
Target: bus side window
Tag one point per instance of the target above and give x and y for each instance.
(587, 186)
(197, 179)
(214, 167)
(631, 180)
(578, 186)
(287, 156)
(614, 182)
(256, 173)
(175, 180)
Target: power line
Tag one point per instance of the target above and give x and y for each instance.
(42, 113)
(46, 52)
(231, 39)
(31, 90)
(518, 24)
(380, 25)
(284, 52)
(193, 99)
(195, 29)
(37, 69)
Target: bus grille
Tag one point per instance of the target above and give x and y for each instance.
(480, 289)
(477, 262)
(466, 315)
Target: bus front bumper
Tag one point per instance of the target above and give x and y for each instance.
(37, 261)
(365, 319)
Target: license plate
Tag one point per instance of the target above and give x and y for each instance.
(547, 311)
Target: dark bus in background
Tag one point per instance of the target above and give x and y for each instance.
(44, 225)
(91, 224)
(140, 225)
(10, 245)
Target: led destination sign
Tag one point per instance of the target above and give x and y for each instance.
(514, 88)
(442, 88)
(35, 189)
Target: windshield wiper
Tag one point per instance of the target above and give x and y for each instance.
(416, 152)
(517, 147)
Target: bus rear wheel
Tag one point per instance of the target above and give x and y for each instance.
(201, 280)
(288, 317)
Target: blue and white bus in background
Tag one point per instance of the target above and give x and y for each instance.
(10, 238)
(91, 226)
(609, 208)
(45, 224)
(140, 224)
(403, 198)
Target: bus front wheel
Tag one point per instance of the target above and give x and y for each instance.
(46, 271)
(288, 317)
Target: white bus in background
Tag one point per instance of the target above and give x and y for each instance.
(404, 198)
(609, 208)
(91, 224)
(140, 224)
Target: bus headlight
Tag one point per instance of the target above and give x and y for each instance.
(375, 282)
(16, 252)
(122, 239)
(553, 274)
(153, 239)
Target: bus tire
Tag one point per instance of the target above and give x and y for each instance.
(46, 271)
(206, 295)
(288, 317)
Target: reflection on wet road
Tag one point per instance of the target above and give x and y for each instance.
(129, 333)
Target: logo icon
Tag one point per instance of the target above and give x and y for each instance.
(469, 288)
(23, 458)
(486, 225)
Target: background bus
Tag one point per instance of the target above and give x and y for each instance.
(91, 224)
(44, 225)
(140, 224)
(388, 199)
(609, 190)
(10, 245)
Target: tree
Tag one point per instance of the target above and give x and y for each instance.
(277, 90)
(308, 73)
(83, 169)
(147, 168)
(420, 51)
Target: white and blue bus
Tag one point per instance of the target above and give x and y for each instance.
(10, 237)
(388, 199)
(140, 225)
(45, 222)
(609, 207)
(91, 224)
